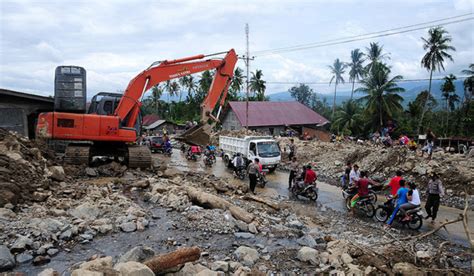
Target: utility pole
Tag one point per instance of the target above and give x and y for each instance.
(247, 60)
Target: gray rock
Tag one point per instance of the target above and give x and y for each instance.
(346, 258)
(252, 228)
(234, 266)
(220, 266)
(7, 261)
(248, 256)
(422, 254)
(23, 258)
(128, 227)
(66, 235)
(42, 250)
(406, 269)
(307, 240)
(85, 211)
(244, 235)
(21, 244)
(133, 269)
(296, 224)
(308, 254)
(57, 173)
(91, 172)
(137, 254)
(52, 251)
(7, 214)
(242, 226)
(84, 272)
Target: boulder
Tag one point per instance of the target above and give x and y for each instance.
(220, 266)
(137, 254)
(308, 254)
(207, 272)
(307, 240)
(190, 269)
(85, 211)
(252, 228)
(247, 255)
(57, 173)
(244, 235)
(406, 269)
(21, 244)
(7, 261)
(128, 226)
(346, 258)
(133, 269)
(23, 258)
(422, 254)
(91, 172)
(41, 260)
(7, 214)
(97, 264)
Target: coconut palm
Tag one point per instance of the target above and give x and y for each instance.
(257, 85)
(337, 70)
(237, 83)
(448, 88)
(374, 55)
(356, 71)
(468, 82)
(348, 118)
(156, 93)
(437, 47)
(382, 97)
(189, 83)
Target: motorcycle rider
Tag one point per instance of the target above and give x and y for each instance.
(310, 176)
(394, 183)
(167, 146)
(362, 186)
(354, 175)
(413, 201)
(345, 176)
(401, 197)
(237, 163)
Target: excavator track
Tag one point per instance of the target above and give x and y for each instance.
(77, 154)
(139, 157)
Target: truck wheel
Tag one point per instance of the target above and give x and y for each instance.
(272, 170)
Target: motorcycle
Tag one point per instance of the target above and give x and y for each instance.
(385, 210)
(208, 160)
(168, 151)
(191, 156)
(240, 173)
(364, 204)
(262, 179)
(308, 191)
(352, 192)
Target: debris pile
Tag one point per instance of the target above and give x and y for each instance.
(456, 170)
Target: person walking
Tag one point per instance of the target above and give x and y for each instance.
(292, 148)
(430, 137)
(435, 192)
(253, 169)
(293, 171)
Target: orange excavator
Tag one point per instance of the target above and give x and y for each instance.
(114, 135)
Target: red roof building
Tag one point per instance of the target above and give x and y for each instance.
(149, 119)
(271, 117)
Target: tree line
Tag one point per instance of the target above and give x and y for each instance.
(382, 101)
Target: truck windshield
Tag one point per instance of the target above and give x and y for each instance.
(268, 149)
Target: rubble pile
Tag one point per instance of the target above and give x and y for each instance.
(456, 170)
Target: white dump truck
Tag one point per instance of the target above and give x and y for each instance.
(265, 148)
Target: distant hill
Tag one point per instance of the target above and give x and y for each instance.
(412, 89)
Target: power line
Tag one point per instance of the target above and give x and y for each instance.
(327, 83)
(359, 37)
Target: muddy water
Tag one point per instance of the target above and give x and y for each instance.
(329, 196)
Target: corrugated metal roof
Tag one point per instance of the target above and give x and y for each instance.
(149, 119)
(155, 124)
(276, 114)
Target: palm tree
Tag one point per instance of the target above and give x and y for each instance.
(337, 69)
(257, 85)
(156, 93)
(188, 83)
(348, 118)
(437, 47)
(468, 83)
(382, 98)
(374, 55)
(356, 71)
(237, 83)
(447, 88)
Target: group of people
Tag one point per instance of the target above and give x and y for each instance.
(253, 169)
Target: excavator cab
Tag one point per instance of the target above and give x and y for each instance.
(104, 103)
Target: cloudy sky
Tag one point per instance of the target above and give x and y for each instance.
(115, 40)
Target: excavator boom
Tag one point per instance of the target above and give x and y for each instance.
(111, 130)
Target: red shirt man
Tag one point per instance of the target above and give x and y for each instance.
(363, 187)
(310, 176)
(395, 183)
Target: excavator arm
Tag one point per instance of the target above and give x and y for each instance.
(129, 106)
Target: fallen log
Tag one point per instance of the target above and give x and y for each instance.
(269, 203)
(214, 202)
(162, 263)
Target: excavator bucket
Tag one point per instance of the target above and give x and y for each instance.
(198, 135)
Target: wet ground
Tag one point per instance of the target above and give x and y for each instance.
(329, 196)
